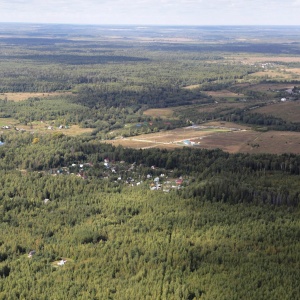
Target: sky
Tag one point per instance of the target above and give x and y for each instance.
(152, 12)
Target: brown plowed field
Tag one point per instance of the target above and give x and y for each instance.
(227, 137)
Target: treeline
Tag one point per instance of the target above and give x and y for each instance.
(268, 121)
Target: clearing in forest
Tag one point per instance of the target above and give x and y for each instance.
(42, 127)
(223, 94)
(229, 137)
(163, 113)
(24, 96)
(266, 87)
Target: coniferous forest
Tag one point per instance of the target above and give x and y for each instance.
(83, 219)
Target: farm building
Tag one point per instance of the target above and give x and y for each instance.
(187, 142)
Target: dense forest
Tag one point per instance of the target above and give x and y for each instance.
(231, 230)
(83, 219)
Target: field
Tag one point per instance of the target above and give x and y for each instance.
(229, 137)
(264, 87)
(289, 111)
(170, 138)
(223, 94)
(24, 96)
(41, 127)
(159, 112)
(191, 87)
(252, 59)
(274, 74)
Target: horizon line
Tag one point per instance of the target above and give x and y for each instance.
(151, 25)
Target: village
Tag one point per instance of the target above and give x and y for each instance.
(123, 173)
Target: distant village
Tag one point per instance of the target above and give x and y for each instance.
(121, 172)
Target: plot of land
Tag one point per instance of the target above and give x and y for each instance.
(289, 111)
(275, 142)
(251, 59)
(24, 96)
(264, 87)
(226, 136)
(223, 94)
(191, 87)
(159, 112)
(273, 74)
(173, 138)
(43, 127)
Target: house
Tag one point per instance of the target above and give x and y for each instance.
(46, 200)
(283, 99)
(179, 181)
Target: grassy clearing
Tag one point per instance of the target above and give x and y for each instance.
(42, 127)
(159, 112)
(24, 96)
(191, 87)
(274, 74)
(223, 94)
(8, 122)
(75, 130)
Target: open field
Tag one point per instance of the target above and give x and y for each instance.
(288, 111)
(159, 112)
(274, 142)
(24, 96)
(264, 87)
(251, 59)
(249, 141)
(170, 139)
(8, 122)
(272, 74)
(223, 94)
(40, 127)
(226, 136)
(191, 87)
(221, 106)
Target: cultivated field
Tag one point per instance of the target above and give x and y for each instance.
(226, 136)
(289, 111)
